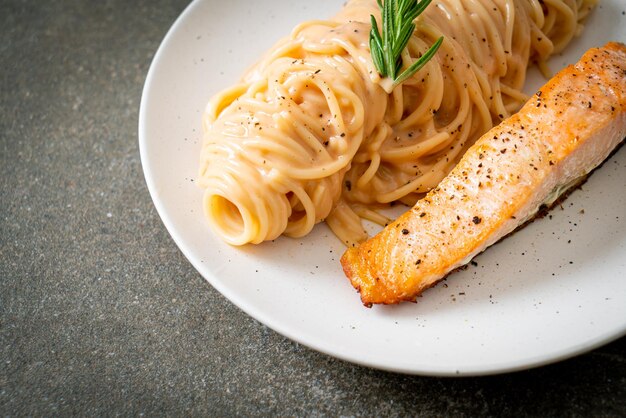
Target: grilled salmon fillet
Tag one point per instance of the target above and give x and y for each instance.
(563, 132)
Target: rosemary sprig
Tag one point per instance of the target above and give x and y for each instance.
(386, 47)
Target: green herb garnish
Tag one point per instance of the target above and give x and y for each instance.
(398, 26)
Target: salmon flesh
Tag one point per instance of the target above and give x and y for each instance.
(568, 128)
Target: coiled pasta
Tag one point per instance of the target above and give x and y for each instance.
(311, 133)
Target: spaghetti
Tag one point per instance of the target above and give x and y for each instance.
(313, 133)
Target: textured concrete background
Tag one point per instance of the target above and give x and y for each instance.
(100, 314)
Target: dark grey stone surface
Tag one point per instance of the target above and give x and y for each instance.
(100, 314)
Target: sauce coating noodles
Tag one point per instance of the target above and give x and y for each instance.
(311, 133)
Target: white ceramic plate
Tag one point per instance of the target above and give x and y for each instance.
(553, 290)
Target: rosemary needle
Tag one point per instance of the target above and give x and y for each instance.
(397, 27)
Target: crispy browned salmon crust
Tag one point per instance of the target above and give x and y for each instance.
(564, 131)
